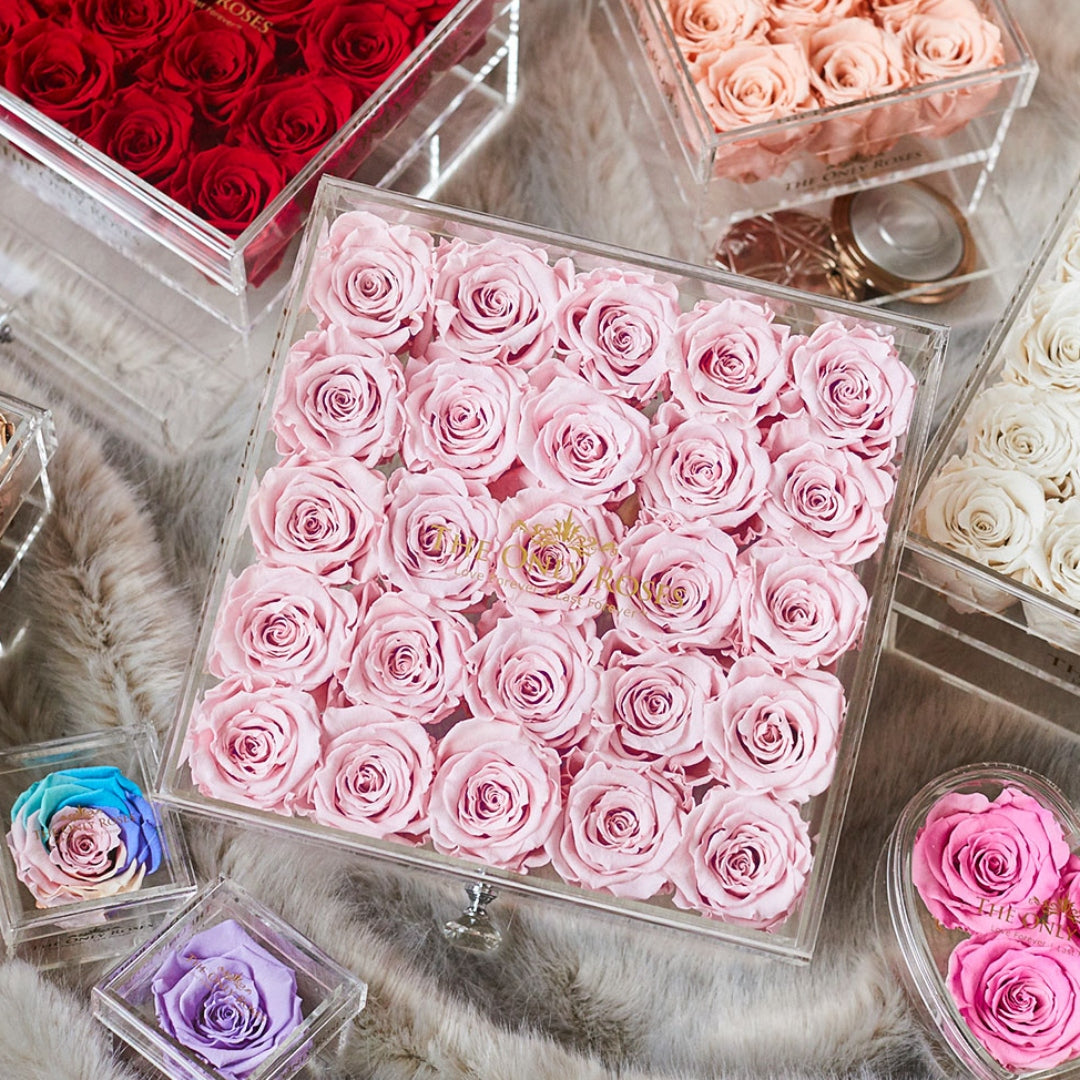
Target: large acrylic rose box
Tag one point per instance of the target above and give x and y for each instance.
(229, 991)
(90, 865)
(757, 105)
(490, 600)
(992, 552)
(190, 138)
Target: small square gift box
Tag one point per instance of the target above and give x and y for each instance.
(90, 865)
(228, 991)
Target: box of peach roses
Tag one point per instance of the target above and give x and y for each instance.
(763, 104)
(560, 567)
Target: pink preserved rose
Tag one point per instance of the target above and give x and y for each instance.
(744, 859)
(620, 830)
(776, 733)
(496, 795)
(409, 657)
(284, 623)
(798, 612)
(372, 278)
(576, 440)
(494, 302)
(616, 328)
(375, 774)
(255, 742)
(340, 396)
(322, 515)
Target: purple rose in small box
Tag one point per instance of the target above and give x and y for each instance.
(228, 999)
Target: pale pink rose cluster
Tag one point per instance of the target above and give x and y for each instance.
(1008, 498)
(551, 571)
(758, 61)
(1001, 871)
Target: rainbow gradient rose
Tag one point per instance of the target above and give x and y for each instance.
(81, 834)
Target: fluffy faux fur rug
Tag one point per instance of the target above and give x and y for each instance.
(113, 587)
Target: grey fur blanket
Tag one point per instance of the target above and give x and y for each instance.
(115, 582)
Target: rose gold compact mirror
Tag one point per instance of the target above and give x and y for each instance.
(903, 237)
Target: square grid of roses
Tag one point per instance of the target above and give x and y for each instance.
(993, 864)
(751, 63)
(216, 103)
(1004, 497)
(553, 571)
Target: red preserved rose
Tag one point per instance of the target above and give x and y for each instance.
(230, 185)
(293, 117)
(363, 42)
(146, 132)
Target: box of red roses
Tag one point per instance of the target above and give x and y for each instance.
(190, 134)
(756, 105)
(995, 539)
(560, 563)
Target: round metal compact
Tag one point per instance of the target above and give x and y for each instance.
(786, 247)
(903, 237)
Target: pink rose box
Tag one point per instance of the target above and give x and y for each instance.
(978, 904)
(559, 564)
(753, 105)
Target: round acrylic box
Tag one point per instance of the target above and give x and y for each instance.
(978, 913)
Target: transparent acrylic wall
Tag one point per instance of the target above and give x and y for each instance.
(919, 346)
(724, 177)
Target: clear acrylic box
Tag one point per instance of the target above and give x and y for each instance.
(977, 910)
(65, 899)
(27, 442)
(172, 357)
(1006, 429)
(580, 619)
(229, 955)
(812, 154)
(234, 271)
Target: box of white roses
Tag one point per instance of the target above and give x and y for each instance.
(90, 865)
(995, 540)
(190, 136)
(228, 991)
(756, 105)
(558, 564)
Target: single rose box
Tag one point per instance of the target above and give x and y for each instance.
(90, 865)
(992, 551)
(757, 105)
(228, 991)
(561, 564)
(146, 237)
(27, 442)
(978, 909)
